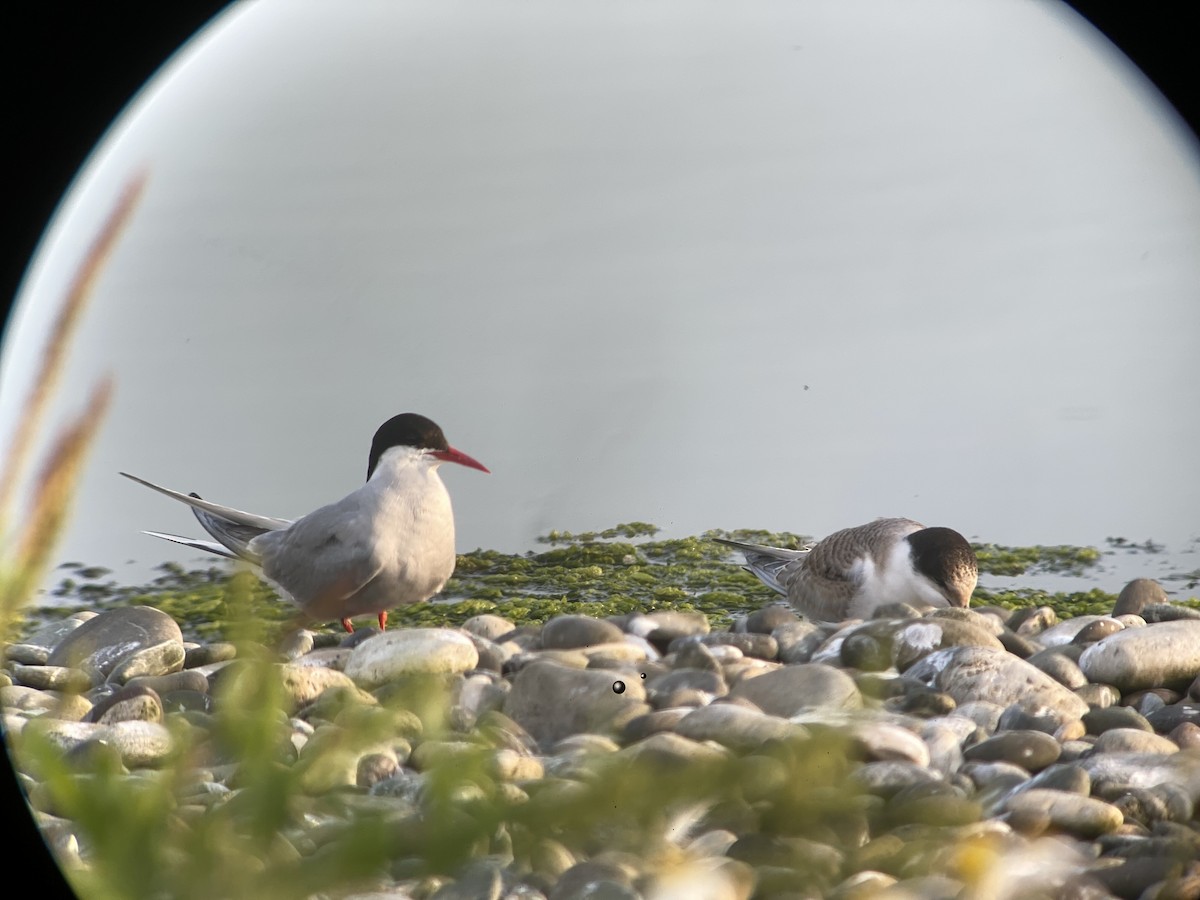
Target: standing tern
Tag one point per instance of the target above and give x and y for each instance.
(387, 544)
(851, 573)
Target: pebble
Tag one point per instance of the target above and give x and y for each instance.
(954, 721)
(1137, 595)
(414, 651)
(570, 632)
(1166, 654)
(794, 690)
(982, 673)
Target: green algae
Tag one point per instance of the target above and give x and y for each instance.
(617, 570)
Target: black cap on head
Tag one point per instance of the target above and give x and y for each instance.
(943, 555)
(405, 430)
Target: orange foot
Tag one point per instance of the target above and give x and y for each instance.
(383, 621)
(346, 624)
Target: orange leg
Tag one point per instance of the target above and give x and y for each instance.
(383, 621)
(346, 624)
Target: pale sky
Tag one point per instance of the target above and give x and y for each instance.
(607, 244)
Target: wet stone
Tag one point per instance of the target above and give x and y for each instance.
(981, 673)
(1066, 631)
(103, 642)
(159, 659)
(915, 640)
(1171, 717)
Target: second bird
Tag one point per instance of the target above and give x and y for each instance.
(387, 544)
(851, 573)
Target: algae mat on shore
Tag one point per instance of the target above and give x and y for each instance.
(618, 570)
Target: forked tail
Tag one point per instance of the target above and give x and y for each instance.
(765, 562)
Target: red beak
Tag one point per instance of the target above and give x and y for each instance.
(457, 456)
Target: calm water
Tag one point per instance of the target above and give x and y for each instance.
(757, 266)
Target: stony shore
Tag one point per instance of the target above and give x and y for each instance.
(980, 753)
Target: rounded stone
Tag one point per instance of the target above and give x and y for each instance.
(1083, 817)
(572, 631)
(767, 619)
(797, 641)
(791, 690)
(736, 727)
(915, 640)
(412, 651)
(162, 658)
(52, 678)
(666, 625)
(132, 704)
(1137, 595)
(1133, 740)
(1066, 631)
(1101, 720)
(141, 744)
(759, 646)
(304, 684)
(885, 741)
(551, 701)
(103, 642)
(1098, 630)
(983, 673)
(1060, 667)
(1031, 750)
(1162, 655)
(488, 626)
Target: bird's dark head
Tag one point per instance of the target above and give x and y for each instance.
(946, 558)
(418, 432)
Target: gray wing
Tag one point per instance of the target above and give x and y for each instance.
(322, 560)
(769, 564)
(833, 572)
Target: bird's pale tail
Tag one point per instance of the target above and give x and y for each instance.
(765, 562)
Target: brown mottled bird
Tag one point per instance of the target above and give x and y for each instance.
(387, 544)
(854, 571)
